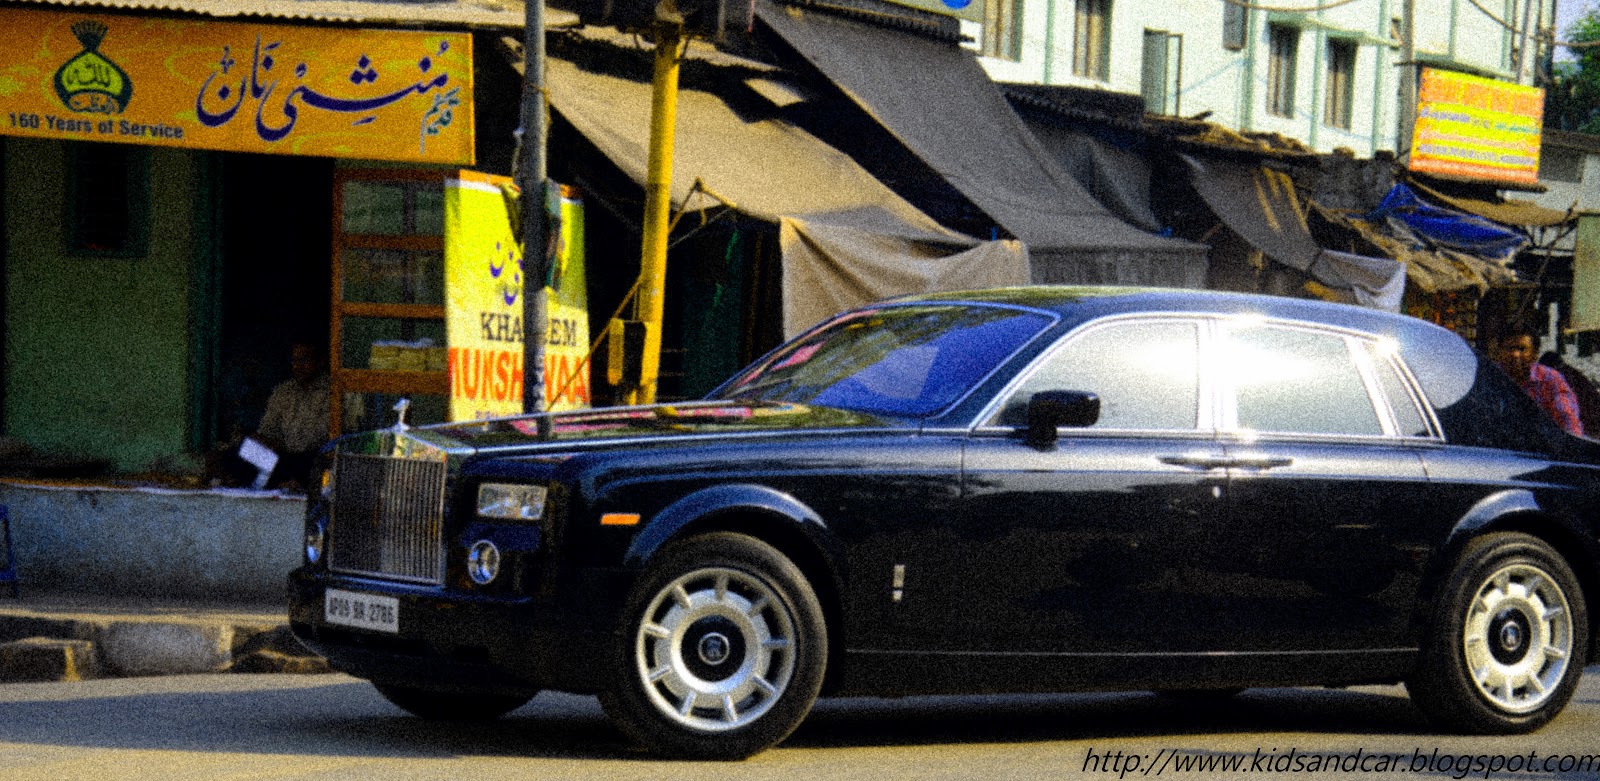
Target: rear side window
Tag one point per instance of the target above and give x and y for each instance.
(1408, 418)
(1296, 381)
(1146, 374)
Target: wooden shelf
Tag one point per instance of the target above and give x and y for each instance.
(397, 383)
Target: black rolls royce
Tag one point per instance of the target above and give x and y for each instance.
(1029, 489)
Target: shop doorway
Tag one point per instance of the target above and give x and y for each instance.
(275, 231)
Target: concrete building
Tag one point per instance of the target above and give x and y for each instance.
(1327, 76)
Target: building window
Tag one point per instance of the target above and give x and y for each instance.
(1336, 108)
(1235, 25)
(1284, 44)
(1091, 39)
(1002, 29)
(107, 199)
(1162, 72)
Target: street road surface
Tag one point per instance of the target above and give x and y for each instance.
(324, 727)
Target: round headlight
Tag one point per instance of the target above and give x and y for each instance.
(483, 562)
(314, 541)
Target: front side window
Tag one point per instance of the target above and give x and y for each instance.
(1091, 39)
(899, 361)
(1145, 373)
(1284, 50)
(1290, 380)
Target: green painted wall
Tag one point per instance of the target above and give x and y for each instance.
(97, 348)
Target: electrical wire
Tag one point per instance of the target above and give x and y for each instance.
(1288, 9)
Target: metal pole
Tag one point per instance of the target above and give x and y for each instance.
(1408, 80)
(1524, 58)
(531, 175)
(650, 303)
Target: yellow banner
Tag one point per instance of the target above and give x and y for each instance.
(1477, 128)
(483, 302)
(367, 94)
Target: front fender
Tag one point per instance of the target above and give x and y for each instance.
(717, 500)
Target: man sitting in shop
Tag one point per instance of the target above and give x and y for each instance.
(293, 428)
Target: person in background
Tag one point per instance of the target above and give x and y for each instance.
(1515, 352)
(1582, 387)
(295, 424)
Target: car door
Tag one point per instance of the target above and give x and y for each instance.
(1069, 548)
(1326, 485)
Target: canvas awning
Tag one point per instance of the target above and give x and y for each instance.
(1119, 179)
(935, 98)
(1506, 211)
(1428, 271)
(846, 238)
(1262, 207)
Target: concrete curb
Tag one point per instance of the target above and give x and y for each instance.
(35, 647)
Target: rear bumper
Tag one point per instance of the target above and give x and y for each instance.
(450, 641)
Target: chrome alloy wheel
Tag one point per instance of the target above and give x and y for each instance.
(715, 650)
(1518, 638)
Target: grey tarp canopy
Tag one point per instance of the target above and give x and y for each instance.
(1262, 207)
(846, 238)
(936, 99)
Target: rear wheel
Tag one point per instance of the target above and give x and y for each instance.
(450, 706)
(722, 650)
(1507, 640)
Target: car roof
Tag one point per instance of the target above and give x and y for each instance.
(1078, 303)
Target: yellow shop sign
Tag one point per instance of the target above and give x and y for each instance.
(483, 300)
(1478, 128)
(366, 94)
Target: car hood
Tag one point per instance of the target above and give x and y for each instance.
(584, 429)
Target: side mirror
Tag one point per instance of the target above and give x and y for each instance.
(1050, 410)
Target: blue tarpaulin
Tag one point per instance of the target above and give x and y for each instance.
(1448, 227)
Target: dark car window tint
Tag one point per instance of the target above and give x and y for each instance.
(1407, 417)
(1146, 375)
(1289, 380)
(903, 361)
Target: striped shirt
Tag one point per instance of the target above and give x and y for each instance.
(1547, 387)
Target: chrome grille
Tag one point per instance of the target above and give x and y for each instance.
(388, 518)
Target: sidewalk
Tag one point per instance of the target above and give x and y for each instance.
(47, 636)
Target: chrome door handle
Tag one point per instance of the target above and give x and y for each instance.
(1227, 462)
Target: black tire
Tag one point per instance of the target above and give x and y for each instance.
(721, 650)
(451, 706)
(1512, 610)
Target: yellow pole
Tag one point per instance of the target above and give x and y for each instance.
(649, 306)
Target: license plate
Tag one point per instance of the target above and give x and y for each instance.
(362, 611)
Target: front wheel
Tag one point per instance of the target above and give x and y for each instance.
(722, 650)
(1507, 640)
(450, 706)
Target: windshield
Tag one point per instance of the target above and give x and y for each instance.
(901, 361)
